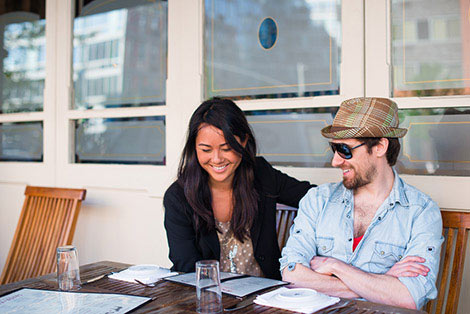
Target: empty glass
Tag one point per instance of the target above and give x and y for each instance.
(209, 295)
(68, 273)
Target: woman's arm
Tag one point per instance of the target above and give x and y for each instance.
(180, 232)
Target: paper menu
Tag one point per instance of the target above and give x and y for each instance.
(247, 285)
(35, 301)
(234, 284)
(190, 278)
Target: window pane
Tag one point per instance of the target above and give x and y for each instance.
(256, 48)
(23, 61)
(120, 53)
(21, 141)
(436, 143)
(292, 137)
(121, 140)
(431, 56)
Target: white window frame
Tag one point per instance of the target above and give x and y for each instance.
(184, 92)
(351, 85)
(148, 179)
(36, 173)
(447, 191)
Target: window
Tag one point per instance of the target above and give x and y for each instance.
(22, 84)
(109, 32)
(111, 75)
(23, 61)
(428, 68)
(254, 49)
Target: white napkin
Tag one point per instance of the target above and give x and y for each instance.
(145, 273)
(297, 300)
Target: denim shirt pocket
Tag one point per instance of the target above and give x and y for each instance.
(325, 246)
(384, 256)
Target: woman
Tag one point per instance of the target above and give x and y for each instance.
(223, 204)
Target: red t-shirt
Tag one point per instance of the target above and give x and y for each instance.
(356, 242)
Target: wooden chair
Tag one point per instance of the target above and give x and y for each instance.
(284, 218)
(47, 220)
(456, 229)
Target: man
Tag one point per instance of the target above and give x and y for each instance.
(372, 236)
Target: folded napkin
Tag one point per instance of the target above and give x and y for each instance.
(297, 300)
(144, 273)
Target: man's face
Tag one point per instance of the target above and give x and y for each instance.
(358, 171)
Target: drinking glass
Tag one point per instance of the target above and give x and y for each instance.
(68, 273)
(209, 295)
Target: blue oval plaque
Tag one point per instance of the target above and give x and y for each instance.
(267, 33)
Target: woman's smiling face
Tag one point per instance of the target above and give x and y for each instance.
(216, 156)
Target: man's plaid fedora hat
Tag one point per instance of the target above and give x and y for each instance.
(365, 117)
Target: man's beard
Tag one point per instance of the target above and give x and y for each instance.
(360, 180)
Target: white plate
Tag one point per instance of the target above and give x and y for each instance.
(297, 295)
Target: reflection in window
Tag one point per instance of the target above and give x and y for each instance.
(430, 50)
(22, 59)
(292, 137)
(120, 52)
(138, 140)
(436, 143)
(21, 141)
(258, 49)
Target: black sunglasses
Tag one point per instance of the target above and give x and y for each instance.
(343, 150)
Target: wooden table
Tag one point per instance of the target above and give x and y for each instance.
(171, 297)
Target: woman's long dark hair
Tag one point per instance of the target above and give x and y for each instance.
(225, 115)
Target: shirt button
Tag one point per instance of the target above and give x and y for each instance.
(382, 252)
(291, 266)
(348, 216)
(399, 256)
(350, 239)
(380, 218)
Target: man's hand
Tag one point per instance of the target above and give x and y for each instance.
(323, 265)
(410, 266)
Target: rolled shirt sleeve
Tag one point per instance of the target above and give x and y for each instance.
(426, 240)
(301, 247)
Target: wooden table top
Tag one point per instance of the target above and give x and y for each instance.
(172, 297)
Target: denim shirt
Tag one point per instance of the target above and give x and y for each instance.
(407, 223)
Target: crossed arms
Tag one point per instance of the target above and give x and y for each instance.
(334, 277)
(319, 248)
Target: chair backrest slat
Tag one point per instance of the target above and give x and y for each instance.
(29, 227)
(58, 227)
(457, 271)
(47, 220)
(285, 216)
(52, 226)
(38, 238)
(456, 226)
(48, 232)
(31, 243)
(444, 269)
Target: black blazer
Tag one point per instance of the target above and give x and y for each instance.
(188, 245)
